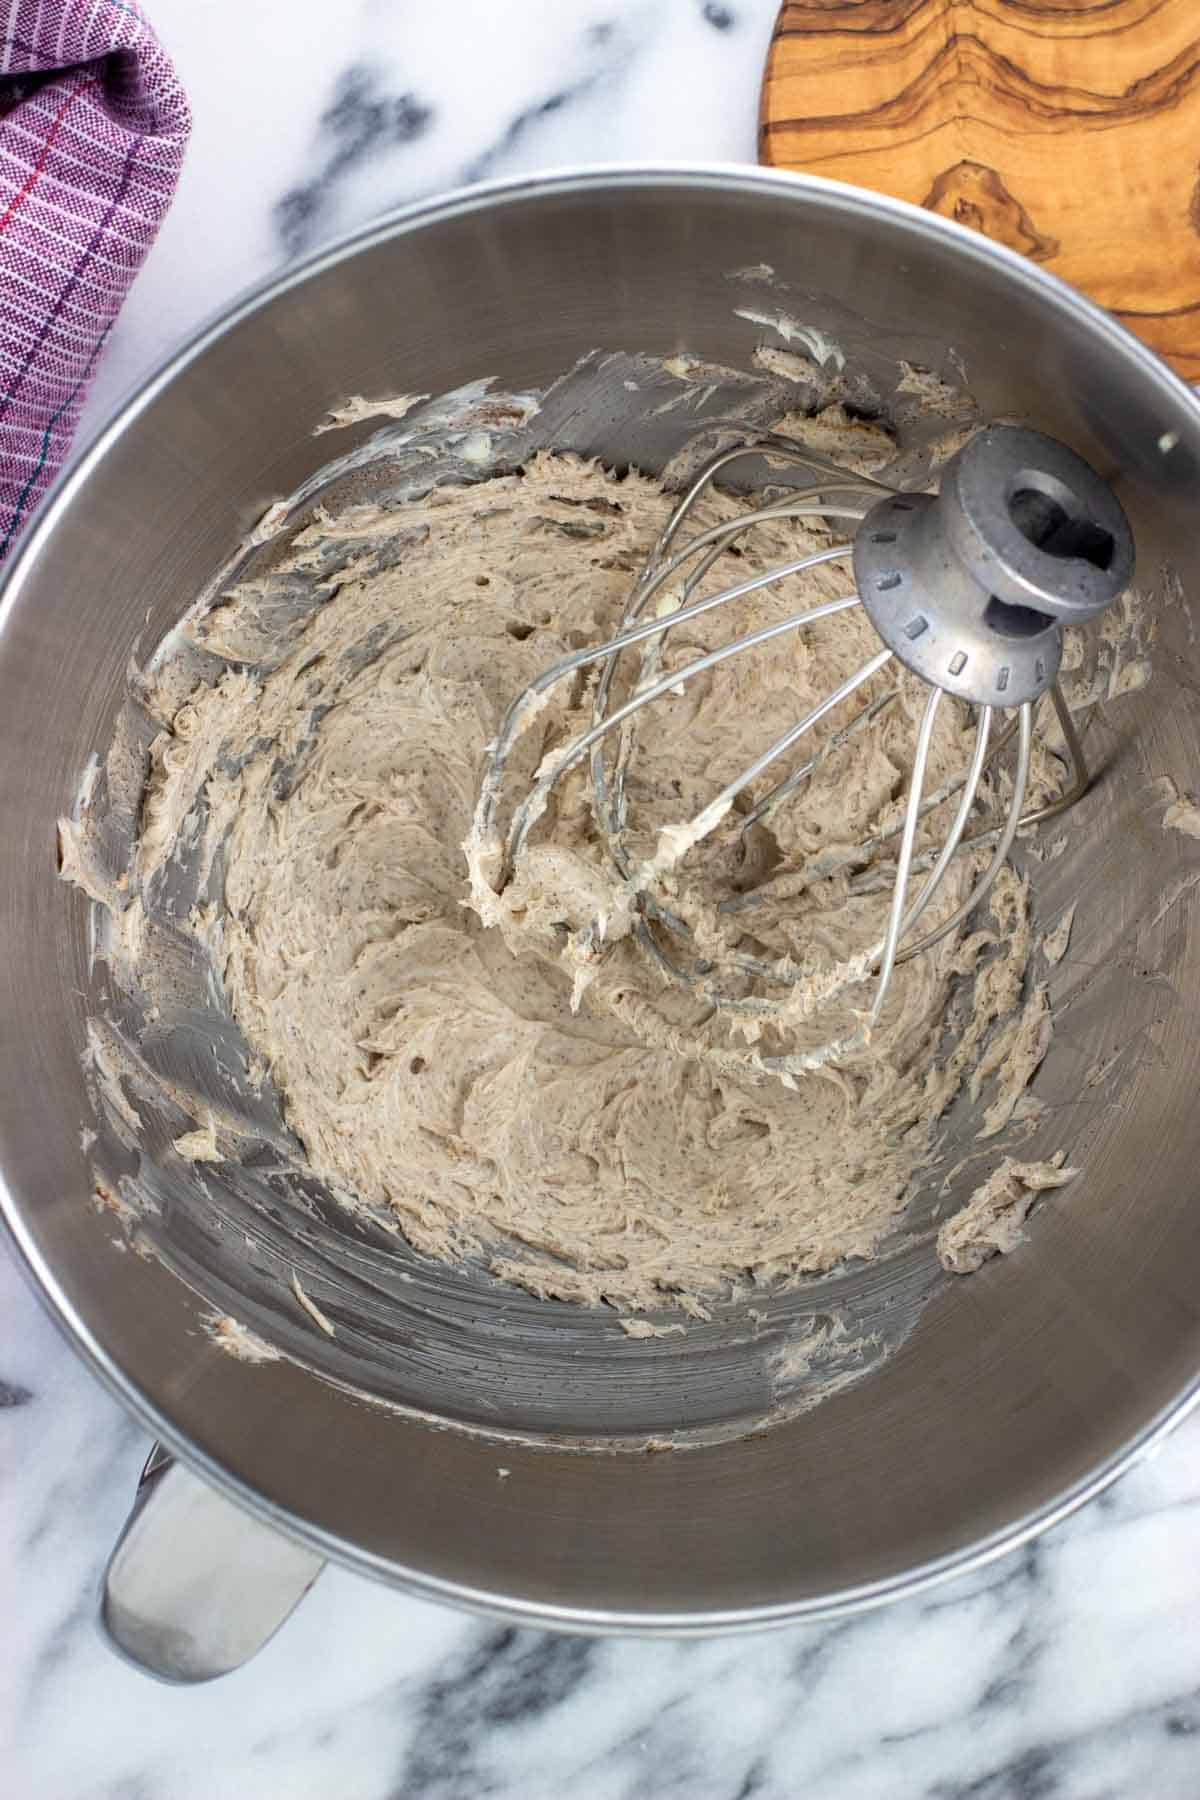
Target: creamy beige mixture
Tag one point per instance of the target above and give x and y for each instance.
(629, 1150)
(990, 1224)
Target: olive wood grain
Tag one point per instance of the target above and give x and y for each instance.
(1067, 129)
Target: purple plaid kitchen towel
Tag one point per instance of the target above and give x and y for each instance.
(93, 124)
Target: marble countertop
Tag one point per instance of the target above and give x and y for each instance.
(1067, 1671)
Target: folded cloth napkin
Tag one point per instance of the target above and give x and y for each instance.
(93, 124)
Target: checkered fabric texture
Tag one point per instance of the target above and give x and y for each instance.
(93, 125)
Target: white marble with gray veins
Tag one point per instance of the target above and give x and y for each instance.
(1068, 1671)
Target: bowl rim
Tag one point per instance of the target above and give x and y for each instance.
(457, 204)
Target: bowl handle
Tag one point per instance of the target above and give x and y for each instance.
(194, 1586)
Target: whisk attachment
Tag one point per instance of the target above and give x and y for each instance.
(968, 589)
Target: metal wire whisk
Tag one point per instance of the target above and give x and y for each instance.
(968, 588)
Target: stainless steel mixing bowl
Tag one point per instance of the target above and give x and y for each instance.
(632, 1494)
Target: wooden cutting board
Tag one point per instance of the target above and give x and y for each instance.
(1067, 129)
